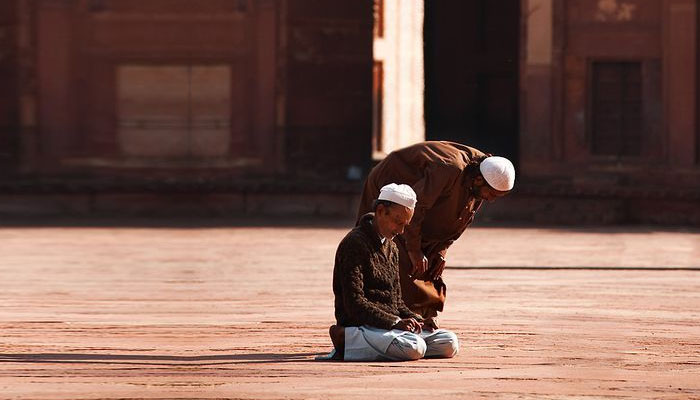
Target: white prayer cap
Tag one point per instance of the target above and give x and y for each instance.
(498, 172)
(399, 194)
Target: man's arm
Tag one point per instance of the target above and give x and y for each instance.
(352, 258)
(437, 179)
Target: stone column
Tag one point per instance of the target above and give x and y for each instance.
(8, 86)
(27, 87)
(536, 85)
(679, 75)
(400, 50)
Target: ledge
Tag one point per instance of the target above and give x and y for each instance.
(171, 185)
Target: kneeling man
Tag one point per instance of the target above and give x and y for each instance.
(373, 323)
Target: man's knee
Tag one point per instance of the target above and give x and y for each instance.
(419, 349)
(407, 348)
(452, 348)
(444, 345)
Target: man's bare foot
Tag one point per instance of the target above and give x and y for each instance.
(337, 334)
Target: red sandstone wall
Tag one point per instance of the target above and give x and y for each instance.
(310, 85)
(565, 144)
(8, 85)
(328, 87)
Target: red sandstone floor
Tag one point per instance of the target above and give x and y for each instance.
(121, 313)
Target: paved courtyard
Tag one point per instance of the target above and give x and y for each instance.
(90, 312)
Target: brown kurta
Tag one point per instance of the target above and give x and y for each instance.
(441, 174)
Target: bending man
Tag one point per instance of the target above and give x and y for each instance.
(452, 181)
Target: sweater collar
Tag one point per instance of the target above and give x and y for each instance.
(367, 227)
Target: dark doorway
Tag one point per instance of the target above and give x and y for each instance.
(471, 73)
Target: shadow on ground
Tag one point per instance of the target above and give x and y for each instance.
(162, 360)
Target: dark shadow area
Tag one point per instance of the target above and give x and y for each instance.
(471, 89)
(162, 360)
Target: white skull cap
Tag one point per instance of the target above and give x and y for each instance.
(498, 172)
(399, 194)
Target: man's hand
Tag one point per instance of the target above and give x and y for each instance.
(431, 323)
(419, 262)
(408, 324)
(438, 269)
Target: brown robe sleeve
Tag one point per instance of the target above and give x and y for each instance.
(437, 180)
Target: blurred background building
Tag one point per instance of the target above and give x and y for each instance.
(226, 107)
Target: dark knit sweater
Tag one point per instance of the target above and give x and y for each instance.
(366, 279)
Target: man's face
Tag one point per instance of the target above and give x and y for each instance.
(483, 191)
(391, 220)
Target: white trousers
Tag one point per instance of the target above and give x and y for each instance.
(366, 343)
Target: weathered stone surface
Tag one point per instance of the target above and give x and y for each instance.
(239, 311)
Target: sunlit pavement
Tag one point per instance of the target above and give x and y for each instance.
(240, 312)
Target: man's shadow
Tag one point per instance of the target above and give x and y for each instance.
(156, 360)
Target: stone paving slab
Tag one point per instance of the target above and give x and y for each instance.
(240, 312)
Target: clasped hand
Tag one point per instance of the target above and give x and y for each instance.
(413, 325)
(408, 324)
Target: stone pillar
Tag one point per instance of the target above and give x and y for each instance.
(8, 82)
(55, 77)
(27, 87)
(536, 134)
(679, 74)
(400, 50)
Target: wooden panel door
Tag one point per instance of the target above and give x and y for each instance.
(174, 111)
(153, 110)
